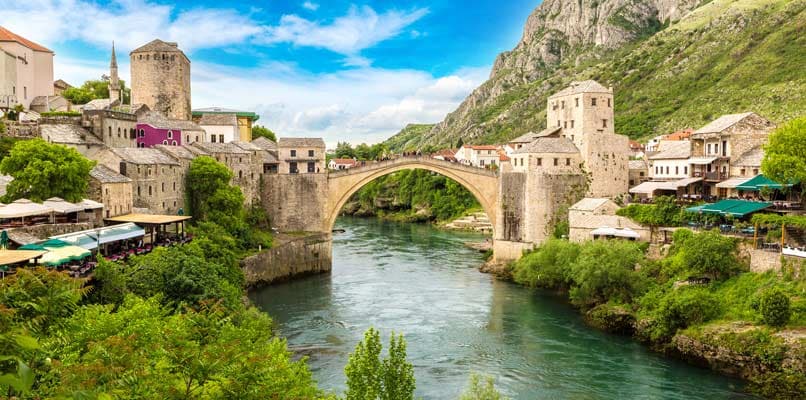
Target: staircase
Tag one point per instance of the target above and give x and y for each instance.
(477, 222)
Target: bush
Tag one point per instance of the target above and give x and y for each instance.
(548, 266)
(779, 385)
(774, 307)
(703, 254)
(682, 307)
(481, 391)
(605, 271)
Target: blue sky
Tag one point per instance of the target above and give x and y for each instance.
(343, 70)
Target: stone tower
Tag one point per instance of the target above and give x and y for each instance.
(584, 113)
(114, 80)
(161, 79)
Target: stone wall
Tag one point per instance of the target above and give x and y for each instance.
(292, 258)
(116, 129)
(48, 230)
(116, 197)
(512, 204)
(296, 202)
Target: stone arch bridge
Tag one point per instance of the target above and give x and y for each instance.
(341, 185)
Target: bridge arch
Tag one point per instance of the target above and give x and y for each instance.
(342, 185)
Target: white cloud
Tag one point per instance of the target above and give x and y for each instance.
(310, 6)
(130, 23)
(348, 35)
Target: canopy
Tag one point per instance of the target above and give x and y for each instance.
(24, 208)
(62, 206)
(88, 204)
(757, 183)
(651, 186)
(736, 208)
(616, 232)
(701, 160)
(731, 183)
(150, 219)
(90, 239)
(64, 254)
(18, 256)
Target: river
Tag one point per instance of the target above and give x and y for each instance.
(424, 283)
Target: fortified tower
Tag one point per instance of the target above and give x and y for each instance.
(161, 79)
(114, 80)
(584, 113)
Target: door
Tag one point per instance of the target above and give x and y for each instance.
(292, 167)
(311, 167)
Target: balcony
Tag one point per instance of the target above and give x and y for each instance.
(710, 176)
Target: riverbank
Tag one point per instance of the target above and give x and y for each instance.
(716, 317)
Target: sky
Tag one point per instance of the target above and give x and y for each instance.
(355, 71)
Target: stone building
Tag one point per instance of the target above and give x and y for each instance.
(60, 86)
(245, 165)
(153, 128)
(160, 79)
(111, 189)
(671, 162)
(639, 172)
(34, 67)
(43, 104)
(114, 128)
(301, 155)
(584, 112)
(590, 214)
(69, 132)
(724, 141)
(156, 177)
(270, 162)
(244, 121)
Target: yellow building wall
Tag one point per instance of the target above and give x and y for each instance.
(245, 129)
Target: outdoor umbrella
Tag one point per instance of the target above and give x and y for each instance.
(4, 239)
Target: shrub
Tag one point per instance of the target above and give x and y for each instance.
(681, 308)
(605, 271)
(708, 253)
(481, 391)
(548, 266)
(774, 307)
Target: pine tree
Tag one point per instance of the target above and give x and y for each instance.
(369, 378)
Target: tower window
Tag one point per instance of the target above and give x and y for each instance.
(577, 101)
(593, 101)
(558, 123)
(563, 105)
(556, 162)
(608, 102)
(567, 161)
(110, 131)
(170, 135)
(604, 123)
(572, 123)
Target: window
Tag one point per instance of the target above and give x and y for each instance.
(667, 170)
(221, 138)
(539, 162)
(293, 153)
(174, 186)
(187, 138)
(656, 170)
(142, 133)
(149, 190)
(608, 102)
(724, 148)
(755, 171)
(556, 162)
(311, 167)
(174, 143)
(165, 142)
(708, 147)
(604, 123)
(170, 134)
(567, 161)
(676, 170)
(685, 170)
(110, 131)
(25, 92)
(163, 187)
(577, 101)
(565, 125)
(118, 132)
(212, 138)
(563, 105)
(558, 123)
(138, 190)
(292, 168)
(641, 174)
(572, 125)
(716, 148)
(240, 174)
(593, 101)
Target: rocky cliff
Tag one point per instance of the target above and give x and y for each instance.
(673, 64)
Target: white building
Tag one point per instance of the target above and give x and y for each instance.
(220, 128)
(34, 68)
(341, 163)
(672, 160)
(482, 156)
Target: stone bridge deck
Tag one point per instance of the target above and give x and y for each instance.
(381, 165)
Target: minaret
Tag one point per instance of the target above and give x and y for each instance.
(114, 81)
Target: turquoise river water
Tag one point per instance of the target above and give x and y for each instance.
(424, 283)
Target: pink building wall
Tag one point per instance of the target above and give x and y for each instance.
(149, 136)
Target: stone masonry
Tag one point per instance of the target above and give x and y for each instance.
(160, 79)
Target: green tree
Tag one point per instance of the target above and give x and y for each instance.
(605, 271)
(370, 378)
(42, 170)
(548, 266)
(774, 307)
(94, 89)
(478, 390)
(784, 159)
(683, 307)
(344, 150)
(205, 177)
(262, 131)
(706, 253)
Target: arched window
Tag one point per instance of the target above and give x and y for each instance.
(170, 134)
(187, 138)
(110, 131)
(163, 187)
(118, 131)
(149, 190)
(240, 174)
(142, 133)
(138, 190)
(165, 142)
(174, 143)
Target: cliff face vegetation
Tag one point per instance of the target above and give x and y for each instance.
(672, 63)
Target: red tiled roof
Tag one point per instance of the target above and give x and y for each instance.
(8, 36)
(635, 145)
(680, 135)
(346, 161)
(502, 155)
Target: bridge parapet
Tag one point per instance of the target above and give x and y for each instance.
(412, 160)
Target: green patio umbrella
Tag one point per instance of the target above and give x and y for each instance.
(4, 239)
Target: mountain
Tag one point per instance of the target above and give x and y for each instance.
(673, 64)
